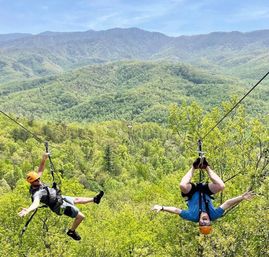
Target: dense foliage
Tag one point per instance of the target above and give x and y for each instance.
(133, 91)
(137, 165)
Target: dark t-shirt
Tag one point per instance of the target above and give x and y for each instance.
(47, 196)
(62, 205)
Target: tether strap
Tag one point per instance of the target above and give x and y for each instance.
(202, 197)
(29, 220)
(52, 169)
(206, 205)
(200, 152)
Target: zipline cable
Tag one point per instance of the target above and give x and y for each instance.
(209, 131)
(37, 138)
(28, 221)
(52, 169)
(235, 106)
(34, 136)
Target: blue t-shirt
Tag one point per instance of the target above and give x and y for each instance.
(192, 213)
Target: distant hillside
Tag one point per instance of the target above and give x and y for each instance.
(33, 56)
(140, 91)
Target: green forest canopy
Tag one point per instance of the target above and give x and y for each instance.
(131, 91)
(137, 165)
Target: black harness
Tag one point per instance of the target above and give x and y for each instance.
(52, 200)
(202, 197)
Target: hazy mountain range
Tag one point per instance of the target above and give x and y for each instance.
(25, 55)
(128, 74)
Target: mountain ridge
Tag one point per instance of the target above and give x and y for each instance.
(51, 53)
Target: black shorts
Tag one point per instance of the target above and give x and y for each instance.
(202, 187)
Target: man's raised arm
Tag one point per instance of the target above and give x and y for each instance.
(42, 164)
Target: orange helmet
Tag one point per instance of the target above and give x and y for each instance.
(32, 176)
(205, 229)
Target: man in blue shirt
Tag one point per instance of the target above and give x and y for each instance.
(200, 207)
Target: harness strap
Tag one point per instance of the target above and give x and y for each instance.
(202, 197)
(29, 220)
(52, 170)
(206, 205)
(50, 161)
(200, 202)
(201, 154)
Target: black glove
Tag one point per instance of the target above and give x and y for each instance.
(196, 163)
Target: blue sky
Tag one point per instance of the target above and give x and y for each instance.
(171, 17)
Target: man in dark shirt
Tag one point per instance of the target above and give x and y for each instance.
(51, 197)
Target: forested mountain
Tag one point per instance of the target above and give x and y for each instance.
(133, 91)
(122, 111)
(24, 55)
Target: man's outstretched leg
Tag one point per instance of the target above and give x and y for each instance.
(185, 183)
(217, 184)
(72, 231)
(83, 200)
(79, 217)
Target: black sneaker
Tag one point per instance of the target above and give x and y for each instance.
(98, 197)
(73, 234)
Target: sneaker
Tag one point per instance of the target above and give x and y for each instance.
(196, 163)
(98, 197)
(73, 234)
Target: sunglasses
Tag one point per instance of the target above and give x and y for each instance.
(36, 180)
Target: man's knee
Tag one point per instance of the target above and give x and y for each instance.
(216, 188)
(77, 200)
(221, 186)
(184, 188)
(80, 216)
